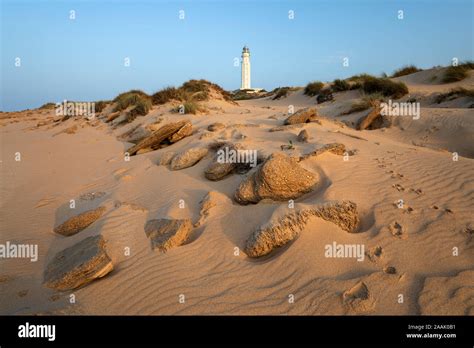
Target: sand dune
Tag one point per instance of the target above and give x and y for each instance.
(418, 256)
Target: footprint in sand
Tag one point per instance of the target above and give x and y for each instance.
(374, 253)
(399, 187)
(397, 230)
(358, 298)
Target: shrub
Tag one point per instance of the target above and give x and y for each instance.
(48, 106)
(165, 95)
(313, 88)
(457, 73)
(140, 100)
(281, 92)
(386, 87)
(340, 85)
(454, 93)
(406, 70)
(324, 95)
(189, 107)
(100, 105)
(365, 103)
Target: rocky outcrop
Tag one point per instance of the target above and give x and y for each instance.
(302, 116)
(165, 234)
(335, 148)
(271, 236)
(79, 222)
(78, 265)
(188, 158)
(278, 178)
(168, 133)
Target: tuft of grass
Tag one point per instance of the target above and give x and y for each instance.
(140, 101)
(457, 73)
(189, 107)
(281, 92)
(367, 101)
(165, 95)
(406, 70)
(454, 93)
(100, 105)
(340, 85)
(313, 88)
(324, 95)
(48, 106)
(384, 86)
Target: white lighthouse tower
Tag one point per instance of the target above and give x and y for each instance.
(245, 68)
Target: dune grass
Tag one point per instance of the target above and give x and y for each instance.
(137, 99)
(384, 86)
(313, 88)
(453, 94)
(367, 101)
(458, 72)
(340, 85)
(281, 92)
(406, 70)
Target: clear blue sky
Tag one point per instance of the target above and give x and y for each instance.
(83, 59)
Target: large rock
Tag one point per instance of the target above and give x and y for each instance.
(279, 178)
(188, 158)
(168, 133)
(183, 132)
(273, 235)
(78, 265)
(79, 222)
(302, 116)
(167, 233)
(374, 120)
(217, 170)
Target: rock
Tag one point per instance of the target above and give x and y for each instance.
(335, 148)
(374, 120)
(145, 150)
(79, 222)
(167, 233)
(276, 234)
(78, 265)
(279, 178)
(302, 116)
(303, 136)
(166, 158)
(286, 127)
(218, 170)
(188, 158)
(215, 127)
(183, 132)
(166, 133)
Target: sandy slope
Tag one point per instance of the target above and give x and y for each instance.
(55, 168)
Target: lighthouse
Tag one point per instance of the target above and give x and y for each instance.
(245, 68)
